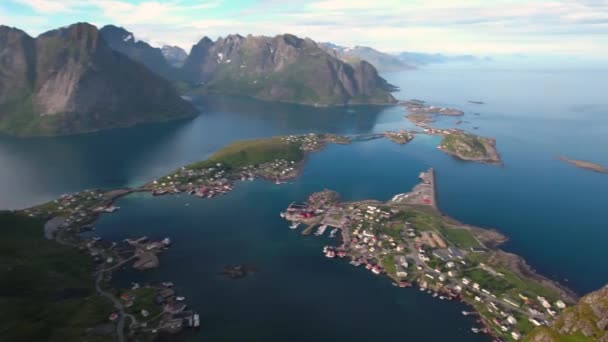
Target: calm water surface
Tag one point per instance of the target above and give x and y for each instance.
(554, 214)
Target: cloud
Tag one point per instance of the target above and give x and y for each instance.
(457, 26)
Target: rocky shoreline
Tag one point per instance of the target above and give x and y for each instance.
(586, 165)
(402, 239)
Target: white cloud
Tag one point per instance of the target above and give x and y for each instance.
(457, 26)
(47, 6)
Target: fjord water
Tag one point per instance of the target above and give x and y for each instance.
(553, 213)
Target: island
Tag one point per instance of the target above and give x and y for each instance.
(586, 165)
(409, 240)
(420, 113)
(467, 146)
(401, 137)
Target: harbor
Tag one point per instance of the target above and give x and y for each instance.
(407, 240)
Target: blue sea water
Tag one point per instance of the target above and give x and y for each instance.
(554, 214)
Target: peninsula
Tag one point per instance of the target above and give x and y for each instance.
(410, 241)
(582, 164)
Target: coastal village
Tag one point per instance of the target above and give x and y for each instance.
(370, 228)
(274, 159)
(151, 308)
(409, 241)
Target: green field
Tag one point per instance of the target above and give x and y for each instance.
(253, 152)
(464, 144)
(462, 238)
(46, 289)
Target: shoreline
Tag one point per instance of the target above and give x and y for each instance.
(498, 258)
(428, 188)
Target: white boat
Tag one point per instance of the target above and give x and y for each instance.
(196, 320)
(333, 233)
(167, 284)
(282, 214)
(321, 230)
(294, 225)
(180, 298)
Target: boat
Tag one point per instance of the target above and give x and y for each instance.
(332, 234)
(475, 330)
(435, 295)
(282, 214)
(465, 313)
(167, 284)
(330, 254)
(180, 298)
(321, 230)
(197, 321)
(294, 225)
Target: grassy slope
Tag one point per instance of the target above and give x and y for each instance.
(252, 152)
(46, 290)
(464, 144)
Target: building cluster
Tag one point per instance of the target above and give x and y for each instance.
(313, 142)
(219, 180)
(401, 137)
(157, 309)
(382, 238)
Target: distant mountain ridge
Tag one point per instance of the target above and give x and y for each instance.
(174, 55)
(421, 58)
(70, 81)
(383, 62)
(123, 41)
(387, 62)
(283, 68)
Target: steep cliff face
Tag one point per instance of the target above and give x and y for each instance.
(283, 68)
(124, 41)
(586, 321)
(174, 55)
(17, 61)
(68, 81)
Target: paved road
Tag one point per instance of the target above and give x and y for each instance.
(120, 326)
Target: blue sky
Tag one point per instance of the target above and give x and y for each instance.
(482, 27)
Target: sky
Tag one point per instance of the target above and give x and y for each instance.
(479, 27)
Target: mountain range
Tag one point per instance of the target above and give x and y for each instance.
(79, 79)
(283, 68)
(70, 80)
